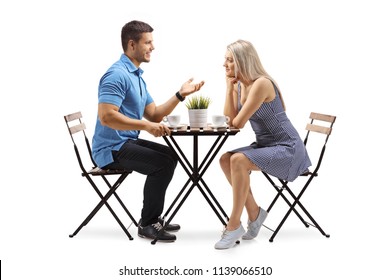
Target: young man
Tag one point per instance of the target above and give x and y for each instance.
(125, 107)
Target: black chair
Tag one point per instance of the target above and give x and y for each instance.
(320, 123)
(75, 125)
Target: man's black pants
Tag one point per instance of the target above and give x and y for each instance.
(154, 160)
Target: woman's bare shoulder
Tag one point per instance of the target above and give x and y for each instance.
(263, 82)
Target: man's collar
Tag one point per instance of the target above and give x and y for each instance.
(130, 65)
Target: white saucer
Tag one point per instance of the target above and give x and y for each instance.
(177, 126)
(218, 126)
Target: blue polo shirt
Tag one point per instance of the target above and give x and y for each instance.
(122, 86)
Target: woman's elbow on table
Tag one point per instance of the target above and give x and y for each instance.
(237, 123)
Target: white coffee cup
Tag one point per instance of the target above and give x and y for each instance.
(219, 120)
(172, 120)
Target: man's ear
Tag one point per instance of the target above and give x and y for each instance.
(131, 44)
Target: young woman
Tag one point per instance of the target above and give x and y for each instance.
(252, 95)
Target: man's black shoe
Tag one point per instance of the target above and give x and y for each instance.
(169, 227)
(154, 230)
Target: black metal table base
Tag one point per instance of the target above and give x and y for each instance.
(195, 174)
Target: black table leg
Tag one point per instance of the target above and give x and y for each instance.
(195, 173)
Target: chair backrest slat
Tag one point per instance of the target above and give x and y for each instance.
(319, 128)
(72, 117)
(322, 117)
(77, 128)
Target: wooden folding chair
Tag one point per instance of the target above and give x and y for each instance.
(80, 126)
(320, 123)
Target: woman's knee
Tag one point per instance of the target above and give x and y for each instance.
(224, 161)
(239, 161)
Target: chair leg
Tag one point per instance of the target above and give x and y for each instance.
(292, 208)
(103, 201)
(119, 200)
(280, 193)
(316, 225)
(92, 214)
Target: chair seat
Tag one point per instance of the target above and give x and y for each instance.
(97, 171)
(308, 173)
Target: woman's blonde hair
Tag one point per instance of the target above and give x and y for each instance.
(247, 63)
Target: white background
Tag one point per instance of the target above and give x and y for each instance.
(327, 56)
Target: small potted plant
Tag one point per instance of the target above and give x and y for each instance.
(197, 107)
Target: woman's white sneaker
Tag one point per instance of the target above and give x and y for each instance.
(254, 227)
(229, 238)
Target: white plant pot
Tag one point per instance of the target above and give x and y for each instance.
(198, 117)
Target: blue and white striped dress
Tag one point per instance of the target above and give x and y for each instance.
(278, 150)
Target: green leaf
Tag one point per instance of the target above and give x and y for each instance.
(198, 102)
